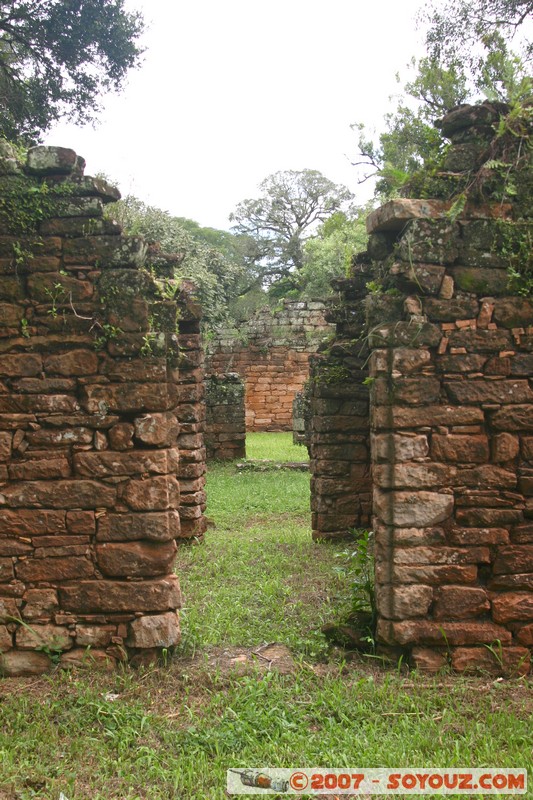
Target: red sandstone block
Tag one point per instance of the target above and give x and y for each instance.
(525, 635)
(433, 575)
(507, 661)
(74, 362)
(31, 523)
(35, 469)
(398, 418)
(513, 606)
(510, 582)
(135, 370)
(514, 559)
(523, 534)
(193, 499)
(427, 660)
(160, 430)
(134, 462)
(20, 365)
(64, 494)
(51, 404)
(136, 559)
(153, 494)
(441, 555)
(405, 601)
(441, 633)
(514, 418)
(153, 526)
(482, 536)
(488, 517)
(53, 569)
(6, 570)
(103, 596)
(460, 602)
(189, 513)
(482, 391)
(129, 397)
(14, 547)
(192, 528)
(462, 449)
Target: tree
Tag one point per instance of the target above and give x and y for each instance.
(58, 56)
(291, 207)
(469, 57)
(329, 254)
(475, 32)
(410, 138)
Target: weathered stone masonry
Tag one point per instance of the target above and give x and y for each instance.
(100, 416)
(448, 351)
(271, 354)
(225, 425)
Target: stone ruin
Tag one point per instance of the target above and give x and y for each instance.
(422, 413)
(101, 425)
(421, 418)
(225, 423)
(271, 353)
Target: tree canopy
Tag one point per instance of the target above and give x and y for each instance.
(218, 272)
(474, 51)
(291, 207)
(58, 56)
(471, 32)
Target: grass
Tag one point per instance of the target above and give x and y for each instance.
(172, 731)
(276, 446)
(258, 577)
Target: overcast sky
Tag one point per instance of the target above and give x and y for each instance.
(231, 91)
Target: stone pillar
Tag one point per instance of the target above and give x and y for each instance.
(191, 415)
(89, 500)
(225, 435)
(452, 422)
(341, 486)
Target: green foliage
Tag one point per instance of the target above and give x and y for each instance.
(477, 35)
(288, 212)
(361, 572)
(516, 243)
(57, 58)
(410, 139)
(468, 58)
(23, 205)
(218, 274)
(328, 255)
(356, 567)
(275, 446)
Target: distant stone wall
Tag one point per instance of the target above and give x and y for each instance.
(271, 354)
(225, 428)
(445, 348)
(100, 423)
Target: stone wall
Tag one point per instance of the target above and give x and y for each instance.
(225, 430)
(95, 382)
(450, 342)
(190, 413)
(341, 487)
(271, 354)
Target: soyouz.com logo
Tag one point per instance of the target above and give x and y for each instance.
(377, 781)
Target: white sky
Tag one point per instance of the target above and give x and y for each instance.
(231, 91)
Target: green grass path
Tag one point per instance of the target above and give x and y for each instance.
(172, 731)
